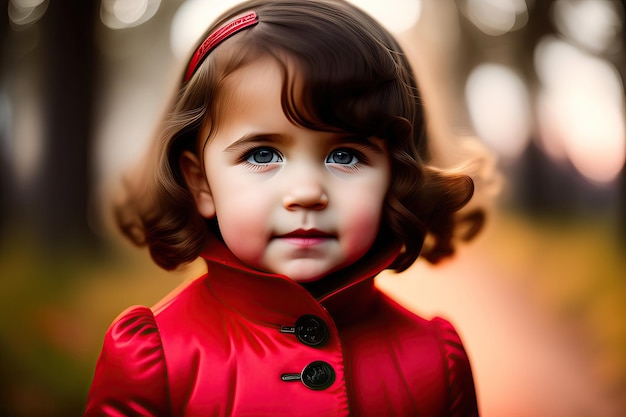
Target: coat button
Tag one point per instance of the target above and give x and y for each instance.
(309, 329)
(317, 375)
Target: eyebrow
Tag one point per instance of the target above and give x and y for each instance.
(254, 138)
(364, 141)
(342, 139)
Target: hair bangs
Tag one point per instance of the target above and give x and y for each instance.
(342, 72)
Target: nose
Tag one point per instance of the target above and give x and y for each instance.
(308, 194)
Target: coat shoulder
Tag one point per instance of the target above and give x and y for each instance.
(461, 390)
(436, 344)
(130, 376)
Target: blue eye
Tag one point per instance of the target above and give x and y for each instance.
(342, 157)
(263, 156)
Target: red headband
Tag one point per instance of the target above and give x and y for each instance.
(218, 36)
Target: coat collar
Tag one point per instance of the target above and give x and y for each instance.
(272, 297)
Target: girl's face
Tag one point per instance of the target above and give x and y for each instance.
(288, 200)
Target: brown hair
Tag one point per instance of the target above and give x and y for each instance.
(353, 77)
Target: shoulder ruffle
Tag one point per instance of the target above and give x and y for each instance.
(130, 377)
(461, 391)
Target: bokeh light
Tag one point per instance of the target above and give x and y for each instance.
(497, 102)
(396, 15)
(594, 24)
(122, 14)
(26, 12)
(582, 107)
(496, 17)
(28, 142)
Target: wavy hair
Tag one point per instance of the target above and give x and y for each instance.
(342, 71)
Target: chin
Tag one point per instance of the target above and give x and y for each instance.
(307, 278)
(309, 275)
(307, 270)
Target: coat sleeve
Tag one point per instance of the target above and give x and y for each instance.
(461, 391)
(130, 377)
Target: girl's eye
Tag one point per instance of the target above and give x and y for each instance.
(264, 156)
(342, 157)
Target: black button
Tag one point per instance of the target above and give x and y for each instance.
(311, 330)
(318, 375)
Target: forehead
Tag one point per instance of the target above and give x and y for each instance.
(250, 93)
(253, 79)
(259, 82)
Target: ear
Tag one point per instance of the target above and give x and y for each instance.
(197, 183)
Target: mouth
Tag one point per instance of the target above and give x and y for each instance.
(306, 237)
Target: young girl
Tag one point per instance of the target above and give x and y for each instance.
(293, 162)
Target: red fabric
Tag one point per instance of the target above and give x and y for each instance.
(215, 349)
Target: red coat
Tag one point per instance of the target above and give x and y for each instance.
(236, 342)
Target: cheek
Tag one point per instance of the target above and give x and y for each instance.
(235, 216)
(363, 218)
(365, 200)
(242, 228)
(240, 235)
(362, 215)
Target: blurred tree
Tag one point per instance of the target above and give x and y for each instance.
(62, 190)
(4, 157)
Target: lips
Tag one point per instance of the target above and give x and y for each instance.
(306, 233)
(306, 237)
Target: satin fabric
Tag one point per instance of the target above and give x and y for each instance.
(215, 348)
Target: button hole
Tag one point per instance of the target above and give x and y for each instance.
(287, 329)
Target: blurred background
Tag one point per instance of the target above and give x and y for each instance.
(539, 298)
